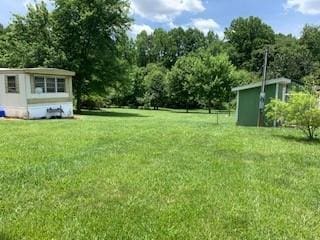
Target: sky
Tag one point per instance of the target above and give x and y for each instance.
(285, 16)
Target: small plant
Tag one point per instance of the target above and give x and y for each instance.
(301, 111)
(93, 102)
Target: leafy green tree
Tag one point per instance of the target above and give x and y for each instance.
(182, 81)
(288, 58)
(3, 49)
(194, 39)
(215, 46)
(2, 29)
(243, 77)
(215, 80)
(126, 49)
(247, 35)
(212, 37)
(312, 81)
(177, 46)
(137, 88)
(87, 34)
(311, 38)
(302, 111)
(202, 77)
(126, 61)
(30, 42)
(160, 47)
(143, 49)
(155, 85)
(165, 48)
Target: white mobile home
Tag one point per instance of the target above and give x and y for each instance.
(33, 93)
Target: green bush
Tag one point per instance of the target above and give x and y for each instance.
(301, 111)
(93, 102)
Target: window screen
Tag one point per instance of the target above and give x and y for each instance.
(51, 85)
(61, 85)
(39, 84)
(12, 84)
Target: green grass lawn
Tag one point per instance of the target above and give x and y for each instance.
(133, 174)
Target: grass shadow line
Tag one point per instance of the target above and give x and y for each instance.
(297, 139)
(196, 111)
(100, 113)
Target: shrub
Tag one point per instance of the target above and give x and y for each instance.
(301, 111)
(93, 102)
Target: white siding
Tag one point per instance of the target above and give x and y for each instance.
(40, 110)
(15, 104)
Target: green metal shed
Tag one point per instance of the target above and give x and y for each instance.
(248, 97)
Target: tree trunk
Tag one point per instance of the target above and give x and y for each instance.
(78, 106)
(209, 106)
(311, 133)
(78, 93)
(187, 106)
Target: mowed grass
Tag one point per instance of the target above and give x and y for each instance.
(133, 174)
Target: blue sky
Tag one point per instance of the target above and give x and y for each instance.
(286, 16)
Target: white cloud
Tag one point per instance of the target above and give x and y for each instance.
(136, 29)
(311, 7)
(172, 25)
(165, 10)
(205, 25)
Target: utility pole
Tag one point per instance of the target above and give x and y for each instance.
(263, 92)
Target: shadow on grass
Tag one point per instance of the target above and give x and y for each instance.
(195, 111)
(297, 139)
(110, 114)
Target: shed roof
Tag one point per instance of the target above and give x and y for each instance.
(259, 84)
(44, 71)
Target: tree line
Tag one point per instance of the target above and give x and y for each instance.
(178, 68)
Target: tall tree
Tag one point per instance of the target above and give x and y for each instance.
(155, 85)
(243, 77)
(194, 39)
(1, 29)
(143, 49)
(247, 35)
(159, 47)
(288, 58)
(182, 81)
(87, 34)
(137, 86)
(311, 38)
(166, 47)
(30, 41)
(216, 80)
(3, 49)
(312, 81)
(177, 46)
(132, 91)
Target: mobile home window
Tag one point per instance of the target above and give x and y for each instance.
(39, 84)
(12, 85)
(51, 85)
(61, 85)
